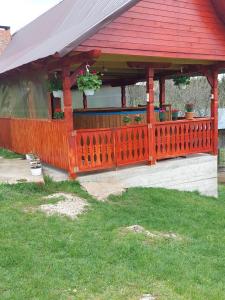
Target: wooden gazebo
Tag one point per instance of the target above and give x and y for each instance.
(136, 41)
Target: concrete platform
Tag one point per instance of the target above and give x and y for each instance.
(193, 173)
(16, 171)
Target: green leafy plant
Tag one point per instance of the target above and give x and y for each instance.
(55, 83)
(138, 118)
(87, 80)
(58, 115)
(181, 80)
(189, 107)
(126, 119)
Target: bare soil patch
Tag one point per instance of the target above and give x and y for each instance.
(69, 205)
(153, 235)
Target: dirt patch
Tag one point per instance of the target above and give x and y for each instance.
(152, 235)
(71, 205)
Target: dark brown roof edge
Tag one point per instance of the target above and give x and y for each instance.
(219, 6)
(4, 27)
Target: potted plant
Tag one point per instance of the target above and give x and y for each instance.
(126, 120)
(182, 81)
(56, 86)
(88, 82)
(175, 114)
(29, 156)
(189, 107)
(162, 115)
(138, 118)
(35, 166)
(58, 114)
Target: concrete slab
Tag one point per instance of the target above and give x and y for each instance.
(16, 170)
(54, 173)
(193, 173)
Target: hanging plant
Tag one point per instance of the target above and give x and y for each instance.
(55, 83)
(181, 81)
(88, 82)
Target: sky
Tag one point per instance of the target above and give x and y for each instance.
(18, 13)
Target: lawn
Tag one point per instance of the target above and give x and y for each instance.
(92, 258)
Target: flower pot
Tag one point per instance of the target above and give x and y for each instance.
(189, 115)
(36, 171)
(89, 92)
(162, 116)
(29, 156)
(182, 86)
(175, 115)
(58, 94)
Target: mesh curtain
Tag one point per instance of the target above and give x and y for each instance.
(24, 97)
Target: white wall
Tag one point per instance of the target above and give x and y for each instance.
(105, 97)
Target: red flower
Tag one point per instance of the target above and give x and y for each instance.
(57, 110)
(94, 72)
(81, 72)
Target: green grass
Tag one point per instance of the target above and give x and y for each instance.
(9, 155)
(88, 258)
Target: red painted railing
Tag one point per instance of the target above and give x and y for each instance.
(183, 137)
(47, 138)
(108, 148)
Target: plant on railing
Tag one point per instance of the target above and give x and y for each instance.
(127, 120)
(189, 107)
(88, 82)
(181, 81)
(175, 114)
(55, 84)
(58, 114)
(138, 118)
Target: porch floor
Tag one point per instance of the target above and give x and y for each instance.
(193, 173)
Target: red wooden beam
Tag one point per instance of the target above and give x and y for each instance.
(151, 115)
(162, 91)
(146, 65)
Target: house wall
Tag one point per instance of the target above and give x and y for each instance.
(172, 28)
(5, 38)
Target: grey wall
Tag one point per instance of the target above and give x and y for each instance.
(105, 97)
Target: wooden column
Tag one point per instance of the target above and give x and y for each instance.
(123, 96)
(162, 91)
(68, 111)
(214, 111)
(84, 101)
(151, 114)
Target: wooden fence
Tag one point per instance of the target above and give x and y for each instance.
(185, 137)
(47, 138)
(108, 148)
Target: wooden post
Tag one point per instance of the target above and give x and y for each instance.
(84, 101)
(151, 115)
(214, 111)
(68, 111)
(123, 96)
(162, 91)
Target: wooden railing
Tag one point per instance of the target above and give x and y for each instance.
(108, 148)
(47, 138)
(95, 149)
(183, 137)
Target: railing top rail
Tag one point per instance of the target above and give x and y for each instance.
(196, 120)
(110, 129)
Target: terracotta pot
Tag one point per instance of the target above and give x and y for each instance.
(189, 115)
